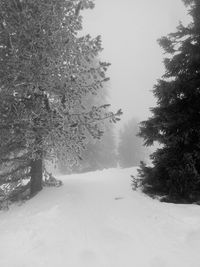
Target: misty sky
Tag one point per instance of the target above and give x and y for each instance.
(129, 30)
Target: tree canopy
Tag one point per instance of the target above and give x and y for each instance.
(46, 68)
(99, 153)
(175, 121)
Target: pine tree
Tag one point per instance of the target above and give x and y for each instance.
(45, 69)
(99, 153)
(130, 148)
(175, 122)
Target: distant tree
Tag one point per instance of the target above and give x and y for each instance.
(99, 153)
(45, 69)
(175, 122)
(130, 148)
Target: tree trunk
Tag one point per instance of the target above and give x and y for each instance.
(36, 176)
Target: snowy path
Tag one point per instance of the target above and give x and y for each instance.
(96, 220)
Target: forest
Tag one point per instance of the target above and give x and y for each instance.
(54, 105)
(86, 181)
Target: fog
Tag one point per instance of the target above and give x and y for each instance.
(129, 30)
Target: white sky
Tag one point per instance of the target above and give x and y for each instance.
(129, 30)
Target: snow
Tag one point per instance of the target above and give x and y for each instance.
(96, 220)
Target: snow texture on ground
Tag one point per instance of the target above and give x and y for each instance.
(96, 220)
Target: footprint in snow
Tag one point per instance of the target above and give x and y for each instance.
(118, 198)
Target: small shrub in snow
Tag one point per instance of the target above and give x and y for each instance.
(50, 180)
(136, 182)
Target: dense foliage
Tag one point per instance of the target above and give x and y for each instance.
(175, 121)
(99, 153)
(46, 68)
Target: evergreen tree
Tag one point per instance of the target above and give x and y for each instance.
(99, 153)
(175, 122)
(130, 148)
(45, 69)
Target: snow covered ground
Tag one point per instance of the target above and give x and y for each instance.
(96, 220)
